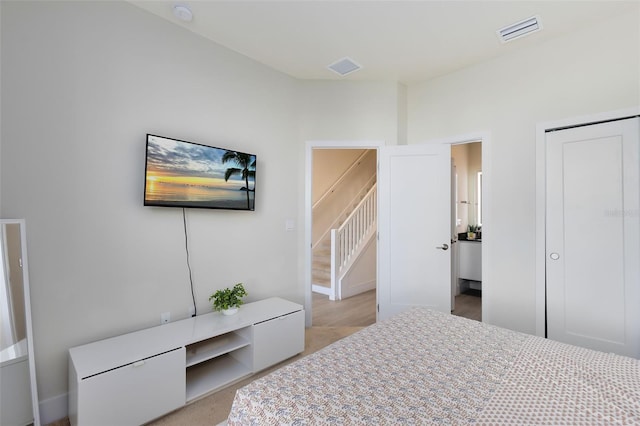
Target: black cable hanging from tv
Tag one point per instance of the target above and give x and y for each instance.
(186, 246)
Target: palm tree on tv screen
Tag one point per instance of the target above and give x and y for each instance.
(245, 165)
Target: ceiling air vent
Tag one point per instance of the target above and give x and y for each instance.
(344, 66)
(519, 29)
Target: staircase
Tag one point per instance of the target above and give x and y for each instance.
(344, 243)
(343, 218)
(321, 265)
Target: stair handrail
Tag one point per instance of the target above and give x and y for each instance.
(342, 177)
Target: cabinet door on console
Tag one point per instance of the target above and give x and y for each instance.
(277, 339)
(135, 393)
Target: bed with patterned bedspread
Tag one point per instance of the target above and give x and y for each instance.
(426, 367)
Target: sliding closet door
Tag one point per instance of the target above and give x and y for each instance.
(593, 236)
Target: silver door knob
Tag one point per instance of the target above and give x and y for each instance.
(554, 256)
(443, 247)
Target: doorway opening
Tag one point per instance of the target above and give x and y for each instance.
(339, 180)
(384, 303)
(466, 206)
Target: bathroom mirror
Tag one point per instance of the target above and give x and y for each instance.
(18, 392)
(467, 158)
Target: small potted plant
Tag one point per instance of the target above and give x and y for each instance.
(471, 232)
(228, 300)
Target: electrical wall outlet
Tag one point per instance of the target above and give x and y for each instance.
(165, 317)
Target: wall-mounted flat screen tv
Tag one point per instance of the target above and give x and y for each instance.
(187, 174)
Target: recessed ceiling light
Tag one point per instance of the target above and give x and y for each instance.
(519, 29)
(183, 12)
(344, 66)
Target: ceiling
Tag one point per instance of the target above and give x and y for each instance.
(404, 41)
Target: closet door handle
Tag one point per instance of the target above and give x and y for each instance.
(443, 247)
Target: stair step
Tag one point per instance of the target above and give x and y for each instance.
(321, 260)
(322, 253)
(321, 275)
(322, 284)
(321, 269)
(325, 243)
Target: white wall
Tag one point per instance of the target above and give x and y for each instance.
(328, 166)
(403, 119)
(82, 83)
(349, 111)
(593, 70)
(340, 202)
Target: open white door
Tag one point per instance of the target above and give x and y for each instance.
(414, 264)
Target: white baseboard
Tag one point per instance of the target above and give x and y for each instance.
(358, 288)
(53, 409)
(321, 289)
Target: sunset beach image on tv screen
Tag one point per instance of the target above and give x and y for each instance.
(186, 174)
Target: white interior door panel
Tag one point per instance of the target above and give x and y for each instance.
(414, 228)
(593, 236)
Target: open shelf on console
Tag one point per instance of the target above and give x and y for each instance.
(214, 347)
(213, 375)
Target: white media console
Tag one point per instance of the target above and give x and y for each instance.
(137, 377)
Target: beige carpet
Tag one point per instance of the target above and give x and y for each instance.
(214, 408)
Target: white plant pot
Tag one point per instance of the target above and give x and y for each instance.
(229, 311)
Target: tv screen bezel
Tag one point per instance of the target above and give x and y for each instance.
(187, 204)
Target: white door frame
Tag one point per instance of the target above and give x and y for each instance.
(488, 238)
(308, 220)
(541, 197)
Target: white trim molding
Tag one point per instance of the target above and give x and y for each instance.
(54, 409)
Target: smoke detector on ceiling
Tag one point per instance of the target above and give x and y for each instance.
(183, 12)
(519, 29)
(344, 66)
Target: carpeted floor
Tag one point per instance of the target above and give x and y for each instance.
(214, 409)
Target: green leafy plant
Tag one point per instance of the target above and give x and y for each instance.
(472, 228)
(228, 297)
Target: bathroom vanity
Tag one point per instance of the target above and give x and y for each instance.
(470, 264)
